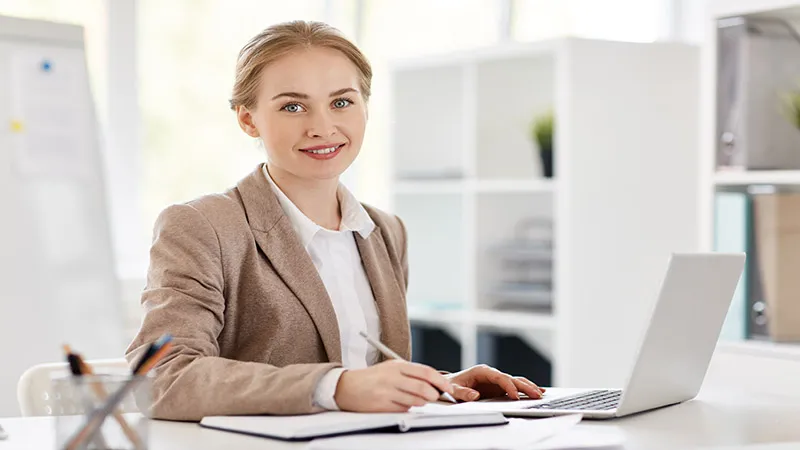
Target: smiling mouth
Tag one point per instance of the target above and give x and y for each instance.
(323, 151)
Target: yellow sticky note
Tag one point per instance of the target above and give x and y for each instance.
(17, 126)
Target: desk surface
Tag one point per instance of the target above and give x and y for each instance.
(715, 419)
(746, 403)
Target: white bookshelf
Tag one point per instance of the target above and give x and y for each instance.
(715, 178)
(464, 173)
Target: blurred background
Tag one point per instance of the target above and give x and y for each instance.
(547, 157)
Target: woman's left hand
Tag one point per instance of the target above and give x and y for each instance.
(482, 381)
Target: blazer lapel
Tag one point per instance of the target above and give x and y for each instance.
(389, 297)
(277, 239)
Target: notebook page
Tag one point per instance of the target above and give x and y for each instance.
(518, 434)
(289, 427)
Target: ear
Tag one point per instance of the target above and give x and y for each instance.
(246, 123)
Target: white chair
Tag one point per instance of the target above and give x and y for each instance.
(34, 389)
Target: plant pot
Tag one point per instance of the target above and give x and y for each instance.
(546, 155)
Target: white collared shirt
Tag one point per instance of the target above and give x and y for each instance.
(338, 262)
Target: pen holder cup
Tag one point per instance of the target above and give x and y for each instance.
(77, 401)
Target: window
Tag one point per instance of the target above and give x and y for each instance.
(624, 20)
(192, 144)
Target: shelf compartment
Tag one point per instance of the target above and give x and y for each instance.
(514, 245)
(511, 93)
(435, 225)
(430, 315)
(428, 133)
(514, 355)
(435, 347)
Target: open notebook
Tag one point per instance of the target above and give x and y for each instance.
(335, 423)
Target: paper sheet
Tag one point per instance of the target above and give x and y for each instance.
(49, 112)
(518, 434)
(596, 438)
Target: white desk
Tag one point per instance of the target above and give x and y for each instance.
(743, 404)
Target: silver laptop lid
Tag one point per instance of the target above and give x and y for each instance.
(683, 331)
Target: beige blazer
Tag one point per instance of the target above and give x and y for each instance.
(253, 327)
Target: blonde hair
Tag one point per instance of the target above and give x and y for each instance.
(281, 39)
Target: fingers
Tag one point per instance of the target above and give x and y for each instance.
(427, 374)
(407, 400)
(395, 407)
(506, 383)
(531, 383)
(465, 394)
(527, 387)
(415, 392)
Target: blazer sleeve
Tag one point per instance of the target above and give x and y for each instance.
(184, 297)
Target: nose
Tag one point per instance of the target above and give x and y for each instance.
(321, 125)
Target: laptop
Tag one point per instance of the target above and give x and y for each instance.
(674, 353)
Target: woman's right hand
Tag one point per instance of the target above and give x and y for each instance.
(389, 386)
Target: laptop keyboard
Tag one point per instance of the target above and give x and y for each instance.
(590, 400)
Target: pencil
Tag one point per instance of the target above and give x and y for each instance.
(389, 353)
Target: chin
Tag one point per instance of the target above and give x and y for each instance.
(325, 171)
(325, 175)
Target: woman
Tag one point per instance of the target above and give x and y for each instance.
(266, 286)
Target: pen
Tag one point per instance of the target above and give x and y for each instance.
(389, 353)
(77, 379)
(154, 353)
(101, 393)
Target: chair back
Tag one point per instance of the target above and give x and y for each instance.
(36, 397)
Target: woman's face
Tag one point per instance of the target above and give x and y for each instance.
(310, 113)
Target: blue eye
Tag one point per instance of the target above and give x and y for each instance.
(293, 108)
(341, 103)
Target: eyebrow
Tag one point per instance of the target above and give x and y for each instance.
(305, 96)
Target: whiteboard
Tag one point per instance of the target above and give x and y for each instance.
(58, 282)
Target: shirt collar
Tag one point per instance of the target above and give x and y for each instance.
(354, 216)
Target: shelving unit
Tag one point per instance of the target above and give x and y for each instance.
(465, 174)
(726, 193)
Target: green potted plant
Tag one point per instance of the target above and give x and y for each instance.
(542, 134)
(793, 108)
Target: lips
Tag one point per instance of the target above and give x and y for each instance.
(323, 152)
(321, 146)
(322, 149)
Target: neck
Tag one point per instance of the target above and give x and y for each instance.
(317, 199)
